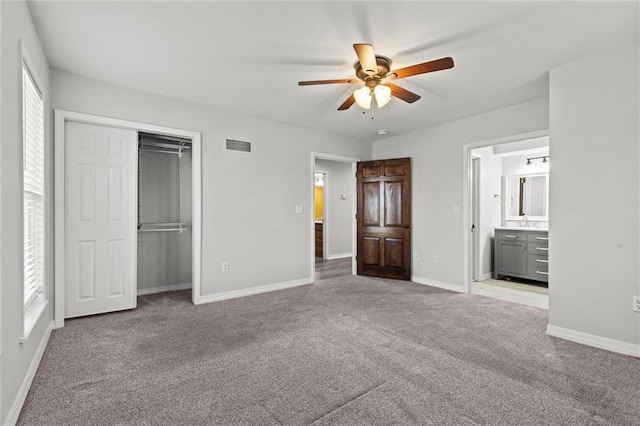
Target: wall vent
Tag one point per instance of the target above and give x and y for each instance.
(239, 146)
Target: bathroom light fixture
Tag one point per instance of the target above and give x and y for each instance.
(381, 92)
(545, 159)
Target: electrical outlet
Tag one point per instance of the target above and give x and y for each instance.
(225, 266)
(416, 257)
(636, 303)
(434, 259)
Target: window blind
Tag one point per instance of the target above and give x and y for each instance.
(33, 187)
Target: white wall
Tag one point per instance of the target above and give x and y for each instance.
(593, 246)
(517, 165)
(16, 359)
(339, 214)
(164, 258)
(2, 415)
(248, 201)
(490, 209)
(437, 181)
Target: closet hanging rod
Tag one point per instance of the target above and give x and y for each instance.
(161, 145)
(163, 229)
(161, 151)
(162, 224)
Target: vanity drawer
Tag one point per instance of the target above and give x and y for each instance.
(511, 236)
(540, 238)
(538, 267)
(539, 249)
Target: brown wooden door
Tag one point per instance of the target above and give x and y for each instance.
(384, 218)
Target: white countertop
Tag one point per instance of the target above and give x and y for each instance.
(518, 228)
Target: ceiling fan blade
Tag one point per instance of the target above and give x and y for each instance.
(425, 67)
(347, 104)
(402, 93)
(313, 82)
(367, 58)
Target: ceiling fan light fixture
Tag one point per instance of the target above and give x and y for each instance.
(382, 94)
(363, 97)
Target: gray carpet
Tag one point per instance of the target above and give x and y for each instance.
(346, 350)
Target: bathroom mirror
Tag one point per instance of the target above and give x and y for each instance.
(527, 197)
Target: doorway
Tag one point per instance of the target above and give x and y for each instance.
(164, 213)
(333, 216)
(123, 183)
(505, 245)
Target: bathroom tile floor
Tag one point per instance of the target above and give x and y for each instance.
(510, 291)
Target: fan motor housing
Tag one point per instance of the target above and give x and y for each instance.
(384, 66)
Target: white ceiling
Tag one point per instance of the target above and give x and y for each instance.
(249, 56)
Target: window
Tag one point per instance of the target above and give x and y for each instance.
(33, 188)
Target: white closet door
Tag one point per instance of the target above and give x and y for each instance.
(101, 228)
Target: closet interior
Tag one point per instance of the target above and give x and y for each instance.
(164, 213)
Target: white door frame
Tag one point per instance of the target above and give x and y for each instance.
(475, 217)
(61, 117)
(466, 196)
(331, 157)
(325, 209)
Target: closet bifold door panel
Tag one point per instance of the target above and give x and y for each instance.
(100, 219)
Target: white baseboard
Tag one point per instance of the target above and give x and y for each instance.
(154, 290)
(439, 284)
(594, 341)
(252, 290)
(16, 407)
(338, 256)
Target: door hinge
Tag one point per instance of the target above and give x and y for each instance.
(473, 228)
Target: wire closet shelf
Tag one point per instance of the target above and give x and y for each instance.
(161, 144)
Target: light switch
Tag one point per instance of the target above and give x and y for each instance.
(343, 196)
(456, 209)
(299, 208)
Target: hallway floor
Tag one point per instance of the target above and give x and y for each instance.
(510, 291)
(332, 268)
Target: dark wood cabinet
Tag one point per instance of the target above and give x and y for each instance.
(319, 242)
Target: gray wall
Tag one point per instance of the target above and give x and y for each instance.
(490, 210)
(593, 246)
(248, 201)
(164, 258)
(16, 359)
(339, 214)
(436, 155)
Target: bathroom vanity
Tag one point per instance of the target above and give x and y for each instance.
(522, 253)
